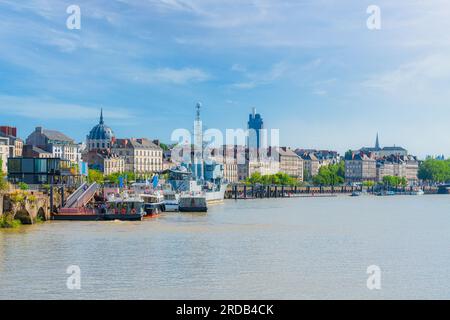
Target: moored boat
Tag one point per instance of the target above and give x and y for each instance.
(193, 202)
(418, 192)
(153, 203)
(129, 209)
(171, 201)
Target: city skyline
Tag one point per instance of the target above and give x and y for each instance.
(377, 145)
(310, 68)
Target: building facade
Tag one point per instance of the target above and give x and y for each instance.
(141, 155)
(227, 156)
(104, 161)
(290, 163)
(314, 159)
(42, 171)
(398, 166)
(15, 143)
(55, 142)
(30, 151)
(390, 161)
(4, 153)
(360, 167)
(311, 165)
(263, 167)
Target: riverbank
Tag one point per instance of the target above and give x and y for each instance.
(7, 221)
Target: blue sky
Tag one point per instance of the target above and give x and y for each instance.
(311, 68)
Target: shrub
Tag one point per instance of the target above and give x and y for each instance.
(23, 186)
(7, 221)
(17, 197)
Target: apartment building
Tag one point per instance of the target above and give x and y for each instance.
(140, 155)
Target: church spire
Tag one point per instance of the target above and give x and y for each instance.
(101, 116)
(377, 143)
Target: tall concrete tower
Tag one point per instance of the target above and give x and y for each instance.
(198, 143)
(255, 124)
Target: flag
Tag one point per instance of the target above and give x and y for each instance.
(155, 181)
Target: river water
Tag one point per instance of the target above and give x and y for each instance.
(298, 248)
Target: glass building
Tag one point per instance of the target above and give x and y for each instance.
(42, 171)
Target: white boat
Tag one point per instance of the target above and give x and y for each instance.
(171, 200)
(417, 192)
(153, 203)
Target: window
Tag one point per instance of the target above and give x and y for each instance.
(27, 165)
(14, 165)
(40, 165)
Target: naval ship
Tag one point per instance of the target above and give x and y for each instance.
(198, 183)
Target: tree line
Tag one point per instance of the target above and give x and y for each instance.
(434, 170)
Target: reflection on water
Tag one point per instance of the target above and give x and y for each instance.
(254, 249)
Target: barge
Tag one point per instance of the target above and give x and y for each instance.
(117, 209)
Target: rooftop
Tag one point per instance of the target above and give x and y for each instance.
(56, 136)
(140, 143)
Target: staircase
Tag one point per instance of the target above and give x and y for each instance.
(82, 195)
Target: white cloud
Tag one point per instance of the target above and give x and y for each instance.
(422, 73)
(167, 75)
(44, 108)
(254, 79)
(180, 76)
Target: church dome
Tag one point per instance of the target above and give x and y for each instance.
(101, 131)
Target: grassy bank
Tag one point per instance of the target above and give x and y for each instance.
(7, 221)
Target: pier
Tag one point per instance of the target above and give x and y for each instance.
(243, 191)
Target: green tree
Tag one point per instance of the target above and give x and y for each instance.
(330, 175)
(95, 176)
(254, 178)
(348, 154)
(164, 146)
(341, 169)
(434, 170)
(127, 177)
(368, 184)
(394, 181)
(279, 178)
